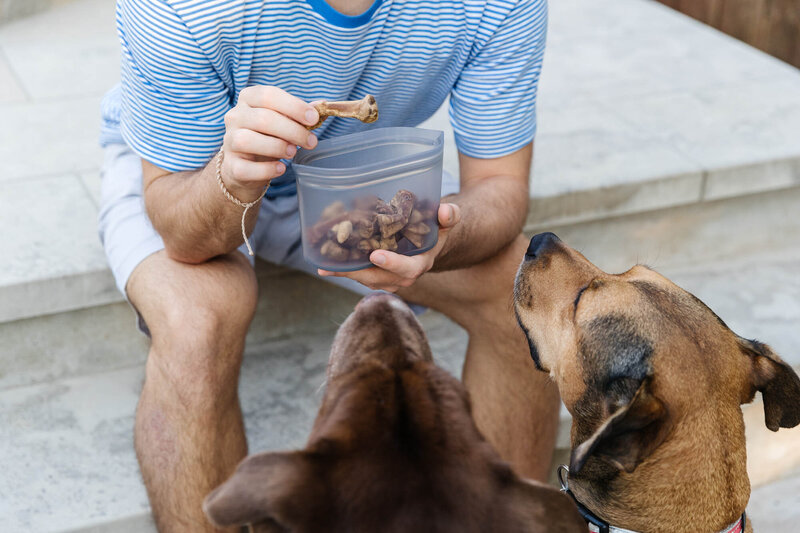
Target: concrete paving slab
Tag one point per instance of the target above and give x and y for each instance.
(590, 164)
(776, 507)
(65, 52)
(91, 180)
(726, 126)
(613, 201)
(694, 235)
(48, 138)
(10, 90)
(632, 48)
(100, 338)
(587, 146)
(749, 179)
(82, 342)
(51, 255)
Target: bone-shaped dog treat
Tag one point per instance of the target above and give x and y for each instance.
(365, 110)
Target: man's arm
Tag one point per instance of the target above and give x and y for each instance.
(479, 221)
(494, 205)
(189, 210)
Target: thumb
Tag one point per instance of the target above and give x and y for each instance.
(449, 215)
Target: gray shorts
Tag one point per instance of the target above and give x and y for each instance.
(128, 237)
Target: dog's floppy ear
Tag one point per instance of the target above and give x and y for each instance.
(268, 488)
(778, 383)
(629, 434)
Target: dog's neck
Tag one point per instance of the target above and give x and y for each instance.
(695, 481)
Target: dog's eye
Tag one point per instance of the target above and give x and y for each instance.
(580, 293)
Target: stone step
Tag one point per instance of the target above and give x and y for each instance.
(105, 337)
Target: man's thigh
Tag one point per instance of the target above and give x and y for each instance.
(462, 294)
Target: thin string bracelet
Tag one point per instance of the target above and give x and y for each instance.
(236, 201)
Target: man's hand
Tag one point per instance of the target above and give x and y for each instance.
(187, 208)
(267, 124)
(394, 271)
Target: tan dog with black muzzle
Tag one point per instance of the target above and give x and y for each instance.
(394, 449)
(654, 381)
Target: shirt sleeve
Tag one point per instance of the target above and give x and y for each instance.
(173, 102)
(493, 102)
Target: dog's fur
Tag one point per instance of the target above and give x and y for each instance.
(393, 449)
(654, 381)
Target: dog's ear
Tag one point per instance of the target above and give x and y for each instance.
(778, 383)
(629, 434)
(267, 488)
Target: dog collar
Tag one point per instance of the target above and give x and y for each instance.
(598, 525)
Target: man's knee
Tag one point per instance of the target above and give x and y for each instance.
(198, 316)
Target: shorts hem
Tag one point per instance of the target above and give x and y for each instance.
(134, 258)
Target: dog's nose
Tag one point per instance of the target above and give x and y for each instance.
(541, 243)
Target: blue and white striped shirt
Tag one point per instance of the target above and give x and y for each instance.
(185, 61)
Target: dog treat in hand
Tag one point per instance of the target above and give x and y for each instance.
(365, 110)
(403, 224)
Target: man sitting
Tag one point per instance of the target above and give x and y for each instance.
(203, 76)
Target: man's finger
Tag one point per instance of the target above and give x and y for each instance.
(401, 265)
(251, 143)
(367, 276)
(374, 278)
(449, 215)
(279, 100)
(273, 123)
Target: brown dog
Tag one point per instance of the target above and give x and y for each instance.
(393, 449)
(654, 381)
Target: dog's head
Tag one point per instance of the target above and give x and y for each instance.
(393, 448)
(633, 353)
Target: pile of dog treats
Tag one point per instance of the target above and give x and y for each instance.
(372, 224)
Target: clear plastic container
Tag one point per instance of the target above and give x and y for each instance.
(377, 189)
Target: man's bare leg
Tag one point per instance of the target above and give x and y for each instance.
(189, 433)
(514, 405)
